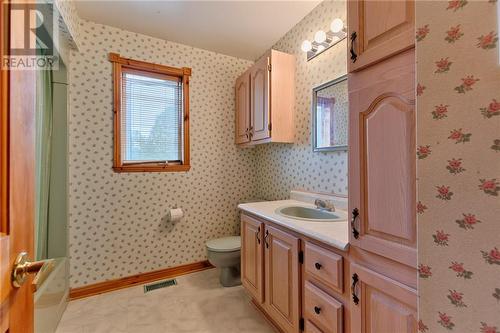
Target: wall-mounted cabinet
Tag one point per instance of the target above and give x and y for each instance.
(265, 100)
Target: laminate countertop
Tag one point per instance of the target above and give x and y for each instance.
(335, 234)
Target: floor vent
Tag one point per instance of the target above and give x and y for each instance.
(158, 285)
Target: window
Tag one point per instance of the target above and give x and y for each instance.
(151, 123)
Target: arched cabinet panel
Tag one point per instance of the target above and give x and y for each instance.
(382, 191)
(387, 145)
(242, 94)
(259, 104)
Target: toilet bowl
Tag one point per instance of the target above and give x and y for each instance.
(224, 253)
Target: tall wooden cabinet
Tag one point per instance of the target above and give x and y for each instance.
(382, 191)
(265, 101)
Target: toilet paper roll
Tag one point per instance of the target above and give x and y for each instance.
(175, 214)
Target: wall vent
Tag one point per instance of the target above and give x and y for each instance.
(158, 285)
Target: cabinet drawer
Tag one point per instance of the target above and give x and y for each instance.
(324, 265)
(311, 328)
(322, 309)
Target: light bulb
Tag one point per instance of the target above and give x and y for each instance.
(321, 48)
(306, 46)
(337, 25)
(320, 36)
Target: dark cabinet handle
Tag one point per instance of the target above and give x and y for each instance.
(318, 265)
(265, 238)
(355, 281)
(257, 235)
(354, 56)
(317, 309)
(355, 215)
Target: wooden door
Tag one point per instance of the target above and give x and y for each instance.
(282, 278)
(252, 257)
(382, 191)
(259, 102)
(381, 28)
(242, 91)
(17, 180)
(380, 304)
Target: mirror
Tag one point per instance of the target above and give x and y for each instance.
(330, 115)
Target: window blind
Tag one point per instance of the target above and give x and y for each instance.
(152, 118)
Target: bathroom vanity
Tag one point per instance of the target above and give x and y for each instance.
(296, 269)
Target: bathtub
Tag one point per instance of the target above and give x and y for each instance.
(51, 298)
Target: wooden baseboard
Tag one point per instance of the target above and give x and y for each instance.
(130, 281)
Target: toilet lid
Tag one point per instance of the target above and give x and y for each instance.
(225, 244)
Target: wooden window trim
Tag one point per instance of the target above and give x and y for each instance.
(121, 64)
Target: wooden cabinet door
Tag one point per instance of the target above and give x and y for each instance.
(242, 92)
(259, 101)
(382, 29)
(282, 278)
(383, 305)
(252, 256)
(17, 175)
(382, 158)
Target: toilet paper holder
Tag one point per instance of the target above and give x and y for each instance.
(174, 214)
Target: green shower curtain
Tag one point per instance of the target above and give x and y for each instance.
(43, 160)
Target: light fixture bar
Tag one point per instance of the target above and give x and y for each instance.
(324, 40)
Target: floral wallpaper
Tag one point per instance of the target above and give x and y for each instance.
(70, 25)
(458, 138)
(283, 167)
(117, 223)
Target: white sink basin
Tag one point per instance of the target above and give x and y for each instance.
(311, 214)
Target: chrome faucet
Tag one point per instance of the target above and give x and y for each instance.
(324, 205)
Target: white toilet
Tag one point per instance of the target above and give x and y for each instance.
(224, 253)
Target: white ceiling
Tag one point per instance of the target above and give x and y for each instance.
(244, 29)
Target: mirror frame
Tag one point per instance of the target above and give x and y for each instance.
(313, 111)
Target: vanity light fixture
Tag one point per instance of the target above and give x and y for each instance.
(324, 40)
(320, 36)
(306, 46)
